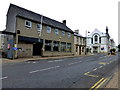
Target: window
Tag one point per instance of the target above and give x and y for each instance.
(69, 35)
(39, 27)
(76, 49)
(99, 39)
(56, 31)
(48, 29)
(28, 23)
(96, 38)
(56, 46)
(69, 47)
(91, 40)
(77, 39)
(63, 47)
(48, 45)
(63, 33)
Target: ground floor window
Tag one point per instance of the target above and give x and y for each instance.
(63, 46)
(48, 45)
(82, 49)
(69, 47)
(56, 46)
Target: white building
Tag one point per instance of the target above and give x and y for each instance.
(98, 42)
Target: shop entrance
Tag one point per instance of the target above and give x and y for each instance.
(37, 49)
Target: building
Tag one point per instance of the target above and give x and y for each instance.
(36, 35)
(99, 42)
(2, 43)
(79, 44)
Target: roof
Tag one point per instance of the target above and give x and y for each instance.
(19, 11)
(76, 34)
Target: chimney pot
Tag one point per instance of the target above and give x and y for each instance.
(64, 22)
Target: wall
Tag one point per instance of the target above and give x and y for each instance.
(25, 50)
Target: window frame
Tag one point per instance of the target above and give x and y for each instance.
(56, 31)
(29, 25)
(69, 34)
(55, 45)
(48, 29)
(48, 45)
(39, 28)
(63, 33)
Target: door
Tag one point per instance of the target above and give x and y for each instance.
(37, 49)
(95, 49)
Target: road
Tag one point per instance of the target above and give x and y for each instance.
(78, 72)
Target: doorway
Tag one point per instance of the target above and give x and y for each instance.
(37, 49)
(95, 49)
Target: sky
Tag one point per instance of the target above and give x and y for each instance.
(85, 15)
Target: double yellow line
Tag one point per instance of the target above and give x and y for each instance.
(98, 84)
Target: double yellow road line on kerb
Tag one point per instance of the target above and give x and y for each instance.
(98, 84)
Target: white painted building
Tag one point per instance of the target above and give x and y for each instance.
(98, 42)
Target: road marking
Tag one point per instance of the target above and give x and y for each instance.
(74, 63)
(56, 61)
(87, 74)
(95, 69)
(101, 57)
(44, 69)
(33, 62)
(3, 78)
(104, 63)
(96, 84)
(101, 83)
(100, 66)
(92, 75)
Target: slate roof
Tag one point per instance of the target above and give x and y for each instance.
(37, 17)
(77, 34)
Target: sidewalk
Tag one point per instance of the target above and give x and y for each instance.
(5, 60)
(114, 82)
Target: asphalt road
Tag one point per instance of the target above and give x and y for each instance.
(78, 72)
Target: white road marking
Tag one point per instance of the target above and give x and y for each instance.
(100, 66)
(44, 69)
(101, 57)
(95, 69)
(3, 78)
(33, 62)
(56, 61)
(74, 63)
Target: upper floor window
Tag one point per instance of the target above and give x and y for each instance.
(69, 34)
(56, 31)
(63, 33)
(28, 23)
(39, 27)
(48, 29)
(91, 40)
(96, 38)
(99, 39)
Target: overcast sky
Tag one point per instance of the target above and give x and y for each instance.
(79, 14)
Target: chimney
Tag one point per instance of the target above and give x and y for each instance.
(106, 30)
(64, 22)
(77, 31)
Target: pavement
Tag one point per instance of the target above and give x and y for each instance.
(113, 82)
(5, 60)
